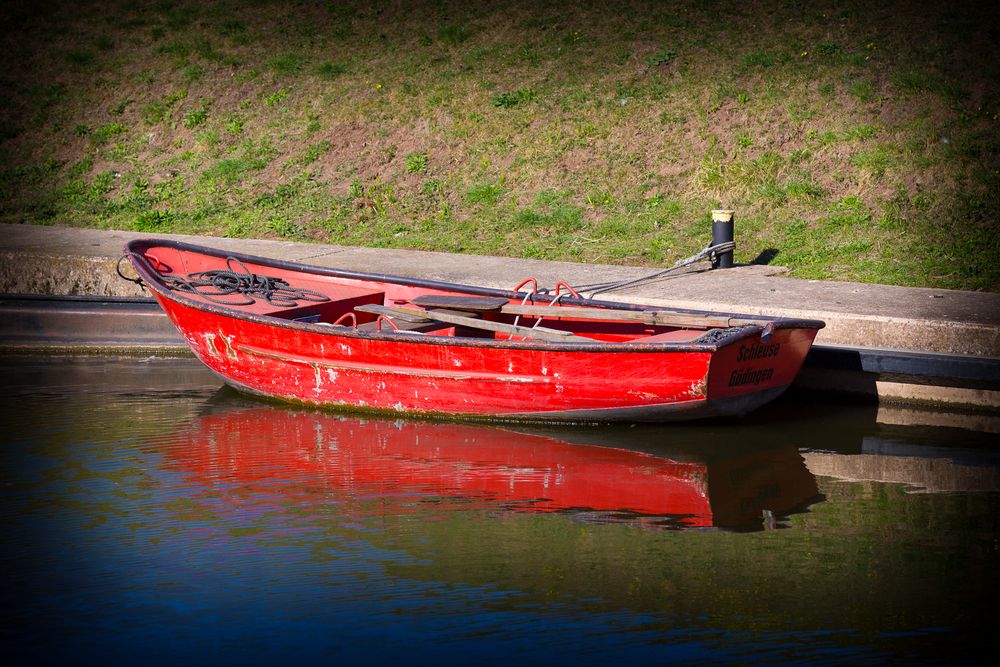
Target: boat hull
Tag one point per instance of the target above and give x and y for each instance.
(605, 378)
(476, 381)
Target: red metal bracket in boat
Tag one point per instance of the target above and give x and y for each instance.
(159, 266)
(559, 287)
(383, 318)
(561, 284)
(347, 316)
(534, 285)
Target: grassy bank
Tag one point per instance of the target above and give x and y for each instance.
(856, 140)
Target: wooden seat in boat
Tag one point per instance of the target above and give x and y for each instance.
(475, 304)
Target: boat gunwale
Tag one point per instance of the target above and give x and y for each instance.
(135, 249)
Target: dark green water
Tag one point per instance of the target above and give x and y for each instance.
(150, 517)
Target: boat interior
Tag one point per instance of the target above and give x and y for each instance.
(371, 305)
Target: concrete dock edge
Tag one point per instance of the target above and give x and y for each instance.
(965, 325)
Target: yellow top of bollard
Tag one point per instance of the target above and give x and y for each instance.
(722, 215)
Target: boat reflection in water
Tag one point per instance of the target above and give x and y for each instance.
(459, 465)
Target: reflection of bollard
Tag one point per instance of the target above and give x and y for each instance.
(722, 232)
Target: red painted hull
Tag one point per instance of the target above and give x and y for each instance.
(614, 374)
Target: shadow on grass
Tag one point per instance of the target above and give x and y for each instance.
(765, 256)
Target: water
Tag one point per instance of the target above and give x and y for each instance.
(151, 517)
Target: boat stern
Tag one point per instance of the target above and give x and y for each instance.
(753, 370)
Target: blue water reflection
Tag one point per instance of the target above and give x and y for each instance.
(150, 518)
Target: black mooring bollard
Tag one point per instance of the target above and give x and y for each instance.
(722, 232)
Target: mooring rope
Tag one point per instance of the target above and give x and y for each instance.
(238, 286)
(709, 252)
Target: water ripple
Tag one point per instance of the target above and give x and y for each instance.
(149, 516)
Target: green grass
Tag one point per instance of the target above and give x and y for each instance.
(416, 162)
(287, 63)
(314, 152)
(573, 131)
(330, 70)
(196, 116)
(506, 100)
(661, 57)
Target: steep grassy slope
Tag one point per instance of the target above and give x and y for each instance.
(855, 140)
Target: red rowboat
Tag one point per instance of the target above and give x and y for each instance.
(341, 338)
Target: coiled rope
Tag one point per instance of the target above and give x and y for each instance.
(238, 286)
